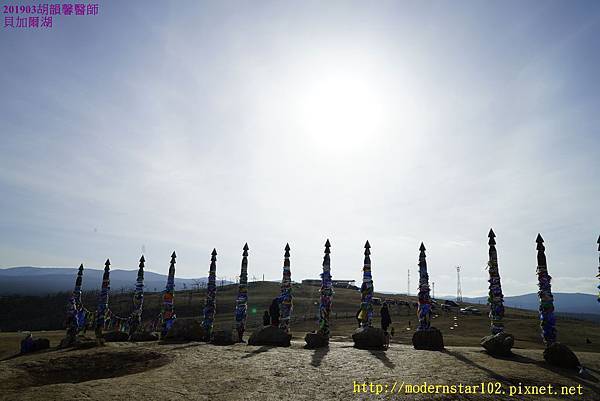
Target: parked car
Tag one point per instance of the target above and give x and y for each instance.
(451, 303)
(470, 310)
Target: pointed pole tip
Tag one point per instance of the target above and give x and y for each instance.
(214, 252)
(491, 234)
(367, 245)
(327, 244)
(422, 247)
(142, 259)
(173, 255)
(107, 263)
(539, 238)
(287, 247)
(246, 247)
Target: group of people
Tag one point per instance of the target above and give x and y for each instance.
(384, 312)
(271, 317)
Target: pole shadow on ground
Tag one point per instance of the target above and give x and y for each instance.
(318, 356)
(383, 358)
(257, 351)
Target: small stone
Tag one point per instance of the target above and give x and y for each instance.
(223, 337)
(186, 330)
(369, 338)
(316, 340)
(560, 355)
(270, 335)
(429, 339)
(498, 344)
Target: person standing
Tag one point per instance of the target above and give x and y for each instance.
(386, 319)
(274, 312)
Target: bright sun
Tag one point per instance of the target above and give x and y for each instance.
(340, 109)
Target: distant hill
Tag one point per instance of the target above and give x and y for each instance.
(564, 302)
(29, 280)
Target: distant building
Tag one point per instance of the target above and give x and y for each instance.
(335, 283)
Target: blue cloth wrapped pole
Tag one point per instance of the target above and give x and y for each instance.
(168, 307)
(211, 295)
(76, 313)
(134, 322)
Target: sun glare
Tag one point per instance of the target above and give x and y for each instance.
(340, 109)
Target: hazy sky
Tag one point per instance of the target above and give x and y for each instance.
(191, 125)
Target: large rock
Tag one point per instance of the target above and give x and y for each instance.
(223, 337)
(369, 338)
(498, 344)
(186, 330)
(32, 345)
(316, 340)
(116, 337)
(430, 339)
(140, 336)
(78, 342)
(270, 335)
(560, 355)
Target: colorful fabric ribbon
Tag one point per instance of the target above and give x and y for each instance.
(495, 297)
(546, 309)
(326, 293)
(285, 299)
(211, 295)
(241, 303)
(365, 315)
(102, 309)
(424, 309)
(168, 308)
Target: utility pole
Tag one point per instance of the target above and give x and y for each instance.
(433, 289)
(408, 284)
(459, 297)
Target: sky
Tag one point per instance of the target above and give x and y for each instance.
(188, 126)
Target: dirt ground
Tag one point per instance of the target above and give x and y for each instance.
(198, 371)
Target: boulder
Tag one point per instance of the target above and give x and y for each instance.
(498, 344)
(223, 337)
(560, 355)
(140, 336)
(429, 339)
(270, 335)
(316, 340)
(115, 336)
(369, 338)
(32, 345)
(78, 342)
(186, 330)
